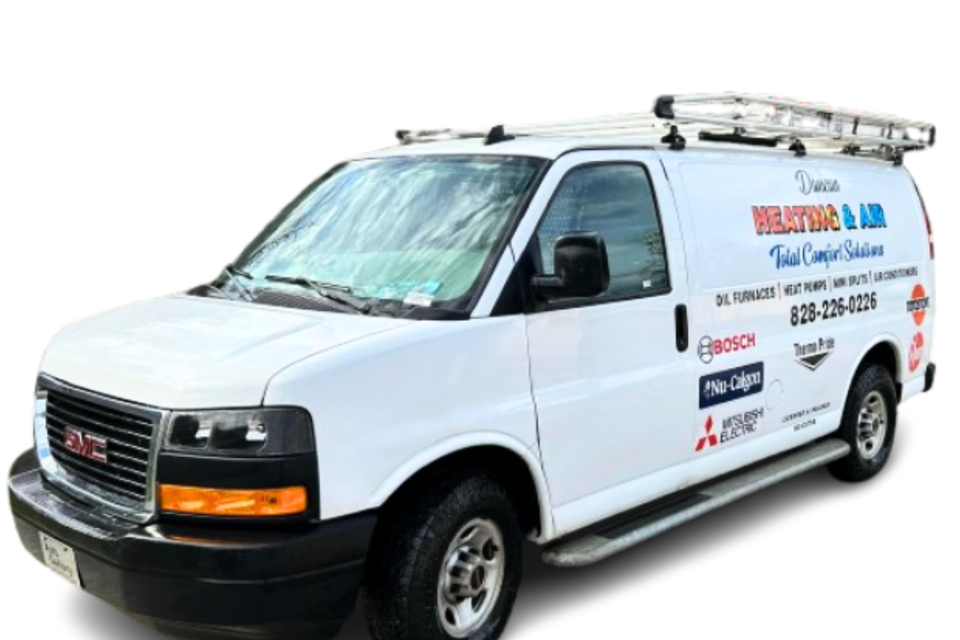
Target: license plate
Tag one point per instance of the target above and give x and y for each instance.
(60, 558)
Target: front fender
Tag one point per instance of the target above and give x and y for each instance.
(386, 406)
(456, 444)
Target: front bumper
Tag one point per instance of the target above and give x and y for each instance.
(201, 581)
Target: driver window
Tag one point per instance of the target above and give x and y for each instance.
(615, 201)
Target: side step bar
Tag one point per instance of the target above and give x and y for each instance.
(602, 544)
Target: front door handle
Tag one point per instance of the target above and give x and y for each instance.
(682, 326)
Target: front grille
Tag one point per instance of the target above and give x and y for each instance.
(127, 429)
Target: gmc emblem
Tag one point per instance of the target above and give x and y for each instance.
(86, 445)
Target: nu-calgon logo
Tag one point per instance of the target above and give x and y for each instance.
(809, 184)
(86, 445)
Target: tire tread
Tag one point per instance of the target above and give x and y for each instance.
(415, 527)
(854, 468)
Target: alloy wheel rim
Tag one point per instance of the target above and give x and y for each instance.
(471, 577)
(872, 425)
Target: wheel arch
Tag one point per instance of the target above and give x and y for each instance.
(885, 351)
(517, 465)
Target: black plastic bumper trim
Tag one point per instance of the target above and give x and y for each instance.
(202, 581)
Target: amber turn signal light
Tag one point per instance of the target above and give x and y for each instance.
(250, 503)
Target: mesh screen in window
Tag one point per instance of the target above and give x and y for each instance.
(615, 201)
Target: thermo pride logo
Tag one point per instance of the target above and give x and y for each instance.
(918, 304)
(710, 347)
(812, 354)
(731, 384)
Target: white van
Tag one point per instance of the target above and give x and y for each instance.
(582, 333)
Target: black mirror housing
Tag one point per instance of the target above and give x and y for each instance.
(581, 268)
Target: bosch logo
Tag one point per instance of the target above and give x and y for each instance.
(86, 445)
(709, 347)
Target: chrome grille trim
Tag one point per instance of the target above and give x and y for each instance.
(127, 487)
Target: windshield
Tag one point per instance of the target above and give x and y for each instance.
(418, 230)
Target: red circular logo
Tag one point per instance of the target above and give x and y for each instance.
(916, 352)
(918, 304)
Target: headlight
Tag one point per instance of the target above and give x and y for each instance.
(241, 432)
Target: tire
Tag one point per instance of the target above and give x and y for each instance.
(454, 536)
(869, 425)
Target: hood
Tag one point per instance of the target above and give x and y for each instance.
(184, 352)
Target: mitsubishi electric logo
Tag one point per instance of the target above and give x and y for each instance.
(709, 439)
(738, 425)
(813, 354)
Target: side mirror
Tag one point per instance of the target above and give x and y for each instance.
(581, 268)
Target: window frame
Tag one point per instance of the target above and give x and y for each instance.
(533, 253)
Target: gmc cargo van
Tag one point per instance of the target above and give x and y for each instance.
(582, 333)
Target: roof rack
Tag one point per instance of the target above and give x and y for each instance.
(731, 118)
(801, 124)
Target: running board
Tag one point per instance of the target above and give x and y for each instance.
(602, 544)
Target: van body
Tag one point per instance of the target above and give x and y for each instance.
(559, 331)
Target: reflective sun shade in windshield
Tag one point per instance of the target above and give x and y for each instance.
(413, 229)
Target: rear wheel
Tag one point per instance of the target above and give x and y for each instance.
(446, 563)
(869, 425)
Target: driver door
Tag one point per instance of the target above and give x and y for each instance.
(613, 384)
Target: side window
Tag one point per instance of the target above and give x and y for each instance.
(615, 201)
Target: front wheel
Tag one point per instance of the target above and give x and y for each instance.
(446, 564)
(869, 425)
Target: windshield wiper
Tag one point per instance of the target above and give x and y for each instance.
(234, 273)
(335, 292)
